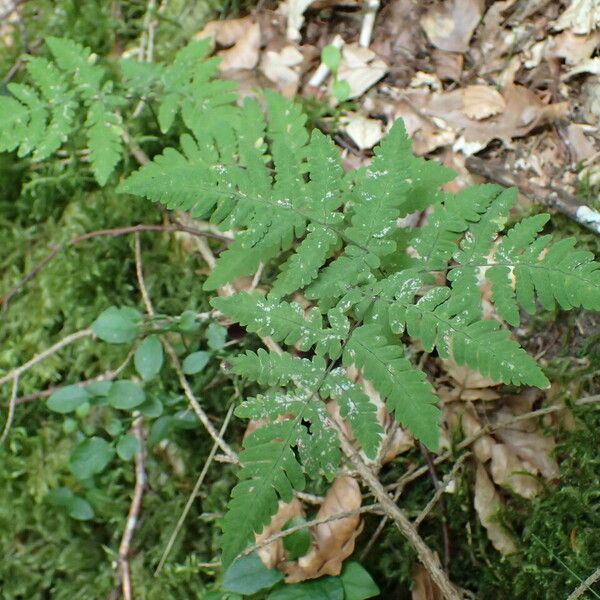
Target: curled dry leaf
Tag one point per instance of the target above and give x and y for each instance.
(424, 587)
(448, 65)
(470, 384)
(225, 32)
(334, 541)
(508, 470)
(274, 553)
(487, 504)
(245, 53)
(573, 48)
(294, 10)
(278, 67)
(582, 147)
(482, 101)
(524, 111)
(364, 132)
(361, 68)
(450, 25)
(591, 65)
(582, 16)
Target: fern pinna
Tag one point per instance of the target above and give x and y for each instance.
(371, 285)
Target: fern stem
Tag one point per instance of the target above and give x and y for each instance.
(425, 554)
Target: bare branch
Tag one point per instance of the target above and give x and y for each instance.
(193, 495)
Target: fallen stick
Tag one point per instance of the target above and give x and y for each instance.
(550, 196)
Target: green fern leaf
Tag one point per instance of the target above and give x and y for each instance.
(104, 136)
(270, 473)
(283, 370)
(404, 389)
(285, 322)
(441, 322)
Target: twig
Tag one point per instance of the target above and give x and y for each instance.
(440, 490)
(107, 376)
(437, 486)
(193, 495)
(69, 339)
(117, 231)
(11, 410)
(585, 585)
(550, 196)
(429, 560)
(486, 429)
(370, 508)
(366, 30)
(134, 512)
(380, 527)
(202, 416)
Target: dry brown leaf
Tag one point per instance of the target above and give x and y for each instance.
(482, 101)
(272, 554)
(592, 65)
(294, 10)
(582, 16)
(487, 504)
(573, 48)
(450, 25)
(278, 67)
(532, 447)
(361, 68)
(334, 541)
(509, 471)
(225, 32)
(424, 588)
(471, 385)
(448, 65)
(583, 148)
(364, 132)
(524, 111)
(244, 54)
(424, 132)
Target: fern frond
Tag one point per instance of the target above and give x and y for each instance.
(270, 473)
(405, 390)
(439, 321)
(525, 267)
(282, 370)
(437, 241)
(285, 322)
(104, 135)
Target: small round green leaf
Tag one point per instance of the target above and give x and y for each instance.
(148, 358)
(80, 509)
(215, 336)
(187, 322)
(69, 425)
(114, 427)
(248, 574)
(325, 588)
(127, 446)
(357, 582)
(126, 395)
(67, 399)
(195, 362)
(298, 543)
(341, 90)
(90, 457)
(99, 388)
(116, 326)
(160, 429)
(331, 56)
(152, 408)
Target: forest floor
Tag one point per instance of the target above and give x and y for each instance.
(500, 91)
